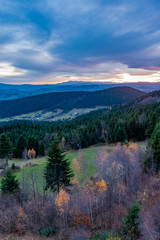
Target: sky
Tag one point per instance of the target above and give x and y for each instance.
(52, 41)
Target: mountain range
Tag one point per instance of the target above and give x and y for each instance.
(66, 101)
(9, 91)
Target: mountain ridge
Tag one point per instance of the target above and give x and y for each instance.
(12, 91)
(67, 101)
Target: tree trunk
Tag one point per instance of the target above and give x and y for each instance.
(58, 187)
(7, 160)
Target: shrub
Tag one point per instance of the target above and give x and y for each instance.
(13, 166)
(47, 232)
(8, 214)
(9, 183)
(105, 236)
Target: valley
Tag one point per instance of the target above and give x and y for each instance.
(66, 102)
(56, 115)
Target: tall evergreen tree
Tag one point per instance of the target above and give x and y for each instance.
(5, 146)
(41, 149)
(130, 227)
(120, 134)
(20, 147)
(151, 124)
(9, 183)
(33, 143)
(57, 172)
(156, 149)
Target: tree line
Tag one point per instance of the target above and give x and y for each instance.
(102, 126)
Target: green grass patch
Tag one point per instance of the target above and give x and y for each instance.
(38, 164)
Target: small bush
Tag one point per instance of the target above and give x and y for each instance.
(100, 236)
(13, 166)
(47, 232)
(105, 236)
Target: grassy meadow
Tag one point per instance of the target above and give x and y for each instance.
(37, 165)
(35, 168)
(50, 116)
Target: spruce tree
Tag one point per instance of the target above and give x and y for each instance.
(130, 227)
(41, 149)
(20, 147)
(57, 172)
(156, 150)
(5, 146)
(33, 143)
(9, 183)
(120, 134)
(151, 125)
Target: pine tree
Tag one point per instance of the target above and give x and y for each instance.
(9, 183)
(151, 125)
(20, 147)
(130, 227)
(120, 134)
(33, 143)
(5, 147)
(41, 149)
(57, 172)
(156, 150)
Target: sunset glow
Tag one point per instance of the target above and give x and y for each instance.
(48, 42)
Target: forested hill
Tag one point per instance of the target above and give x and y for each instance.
(68, 101)
(147, 98)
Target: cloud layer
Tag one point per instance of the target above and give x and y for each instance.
(53, 41)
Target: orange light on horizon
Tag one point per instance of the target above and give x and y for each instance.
(119, 78)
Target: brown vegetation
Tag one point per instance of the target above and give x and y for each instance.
(100, 204)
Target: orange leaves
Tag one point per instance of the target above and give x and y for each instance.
(74, 181)
(20, 225)
(95, 186)
(62, 200)
(31, 153)
(81, 220)
(133, 151)
(133, 147)
(101, 186)
(20, 214)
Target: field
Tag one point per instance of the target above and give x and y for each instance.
(37, 165)
(50, 116)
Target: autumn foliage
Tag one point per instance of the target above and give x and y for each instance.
(31, 153)
(120, 202)
(62, 201)
(81, 220)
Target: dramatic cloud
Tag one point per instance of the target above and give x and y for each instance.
(53, 41)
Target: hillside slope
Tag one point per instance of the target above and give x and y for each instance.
(67, 101)
(147, 98)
